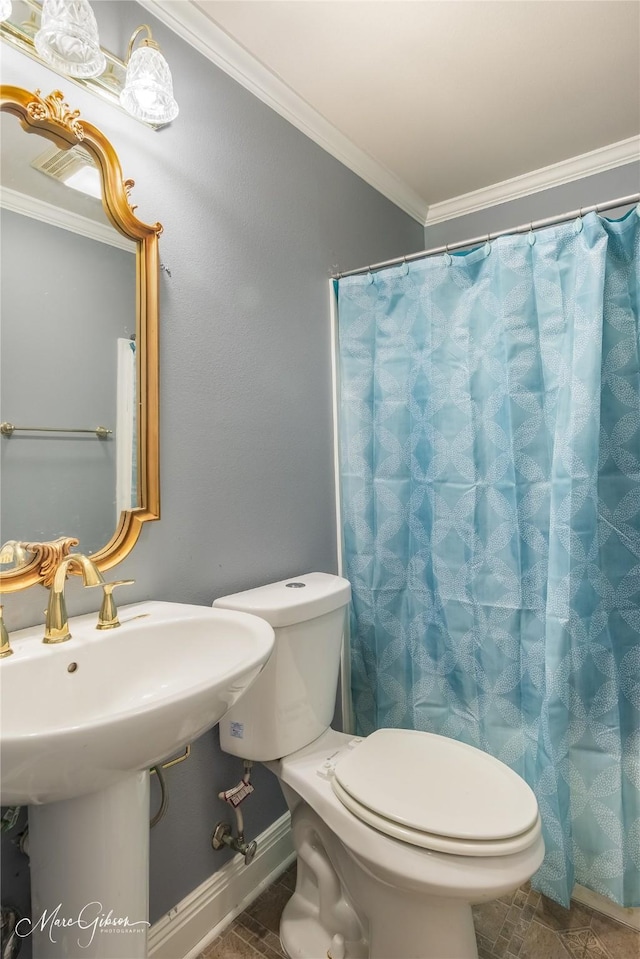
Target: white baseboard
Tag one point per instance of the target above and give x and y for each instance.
(190, 926)
(630, 917)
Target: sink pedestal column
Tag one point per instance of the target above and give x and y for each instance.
(90, 874)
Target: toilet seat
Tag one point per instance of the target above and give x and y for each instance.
(433, 842)
(437, 793)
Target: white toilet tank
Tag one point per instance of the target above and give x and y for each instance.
(292, 701)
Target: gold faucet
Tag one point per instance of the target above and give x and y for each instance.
(108, 615)
(5, 645)
(56, 625)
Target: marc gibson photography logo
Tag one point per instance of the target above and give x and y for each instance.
(90, 920)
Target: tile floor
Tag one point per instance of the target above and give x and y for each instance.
(525, 925)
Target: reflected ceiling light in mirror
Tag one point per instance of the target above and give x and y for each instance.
(68, 38)
(86, 180)
(148, 91)
(73, 167)
(5, 10)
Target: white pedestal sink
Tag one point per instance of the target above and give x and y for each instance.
(81, 724)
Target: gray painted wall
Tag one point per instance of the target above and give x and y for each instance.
(255, 217)
(58, 368)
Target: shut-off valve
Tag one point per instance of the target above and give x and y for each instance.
(223, 834)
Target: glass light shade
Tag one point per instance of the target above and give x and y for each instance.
(5, 10)
(148, 90)
(68, 38)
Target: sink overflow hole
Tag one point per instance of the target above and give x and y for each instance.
(71, 668)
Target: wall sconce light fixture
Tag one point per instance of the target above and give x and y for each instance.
(68, 38)
(148, 91)
(63, 34)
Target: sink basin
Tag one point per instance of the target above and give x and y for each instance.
(80, 716)
(81, 723)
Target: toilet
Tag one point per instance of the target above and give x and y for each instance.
(397, 833)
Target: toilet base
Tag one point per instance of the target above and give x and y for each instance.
(445, 932)
(410, 926)
(304, 937)
(320, 919)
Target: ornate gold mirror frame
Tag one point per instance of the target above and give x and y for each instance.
(52, 118)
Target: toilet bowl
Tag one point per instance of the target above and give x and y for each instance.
(410, 900)
(398, 833)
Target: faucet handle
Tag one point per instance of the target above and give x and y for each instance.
(108, 615)
(5, 645)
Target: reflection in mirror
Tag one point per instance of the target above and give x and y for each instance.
(79, 391)
(14, 554)
(67, 364)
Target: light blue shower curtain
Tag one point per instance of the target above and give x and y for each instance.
(490, 471)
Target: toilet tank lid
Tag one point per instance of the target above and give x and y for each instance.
(292, 600)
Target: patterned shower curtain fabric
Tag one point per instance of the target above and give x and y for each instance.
(490, 473)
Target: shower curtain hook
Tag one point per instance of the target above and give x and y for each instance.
(578, 223)
(370, 275)
(406, 265)
(487, 245)
(448, 259)
(531, 235)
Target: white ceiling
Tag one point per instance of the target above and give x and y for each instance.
(436, 99)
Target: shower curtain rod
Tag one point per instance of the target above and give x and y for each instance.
(487, 237)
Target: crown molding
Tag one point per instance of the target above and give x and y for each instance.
(575, 168)
(55, 216)
(197, 29)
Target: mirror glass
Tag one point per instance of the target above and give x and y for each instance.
(68, 450)
(79, 344)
